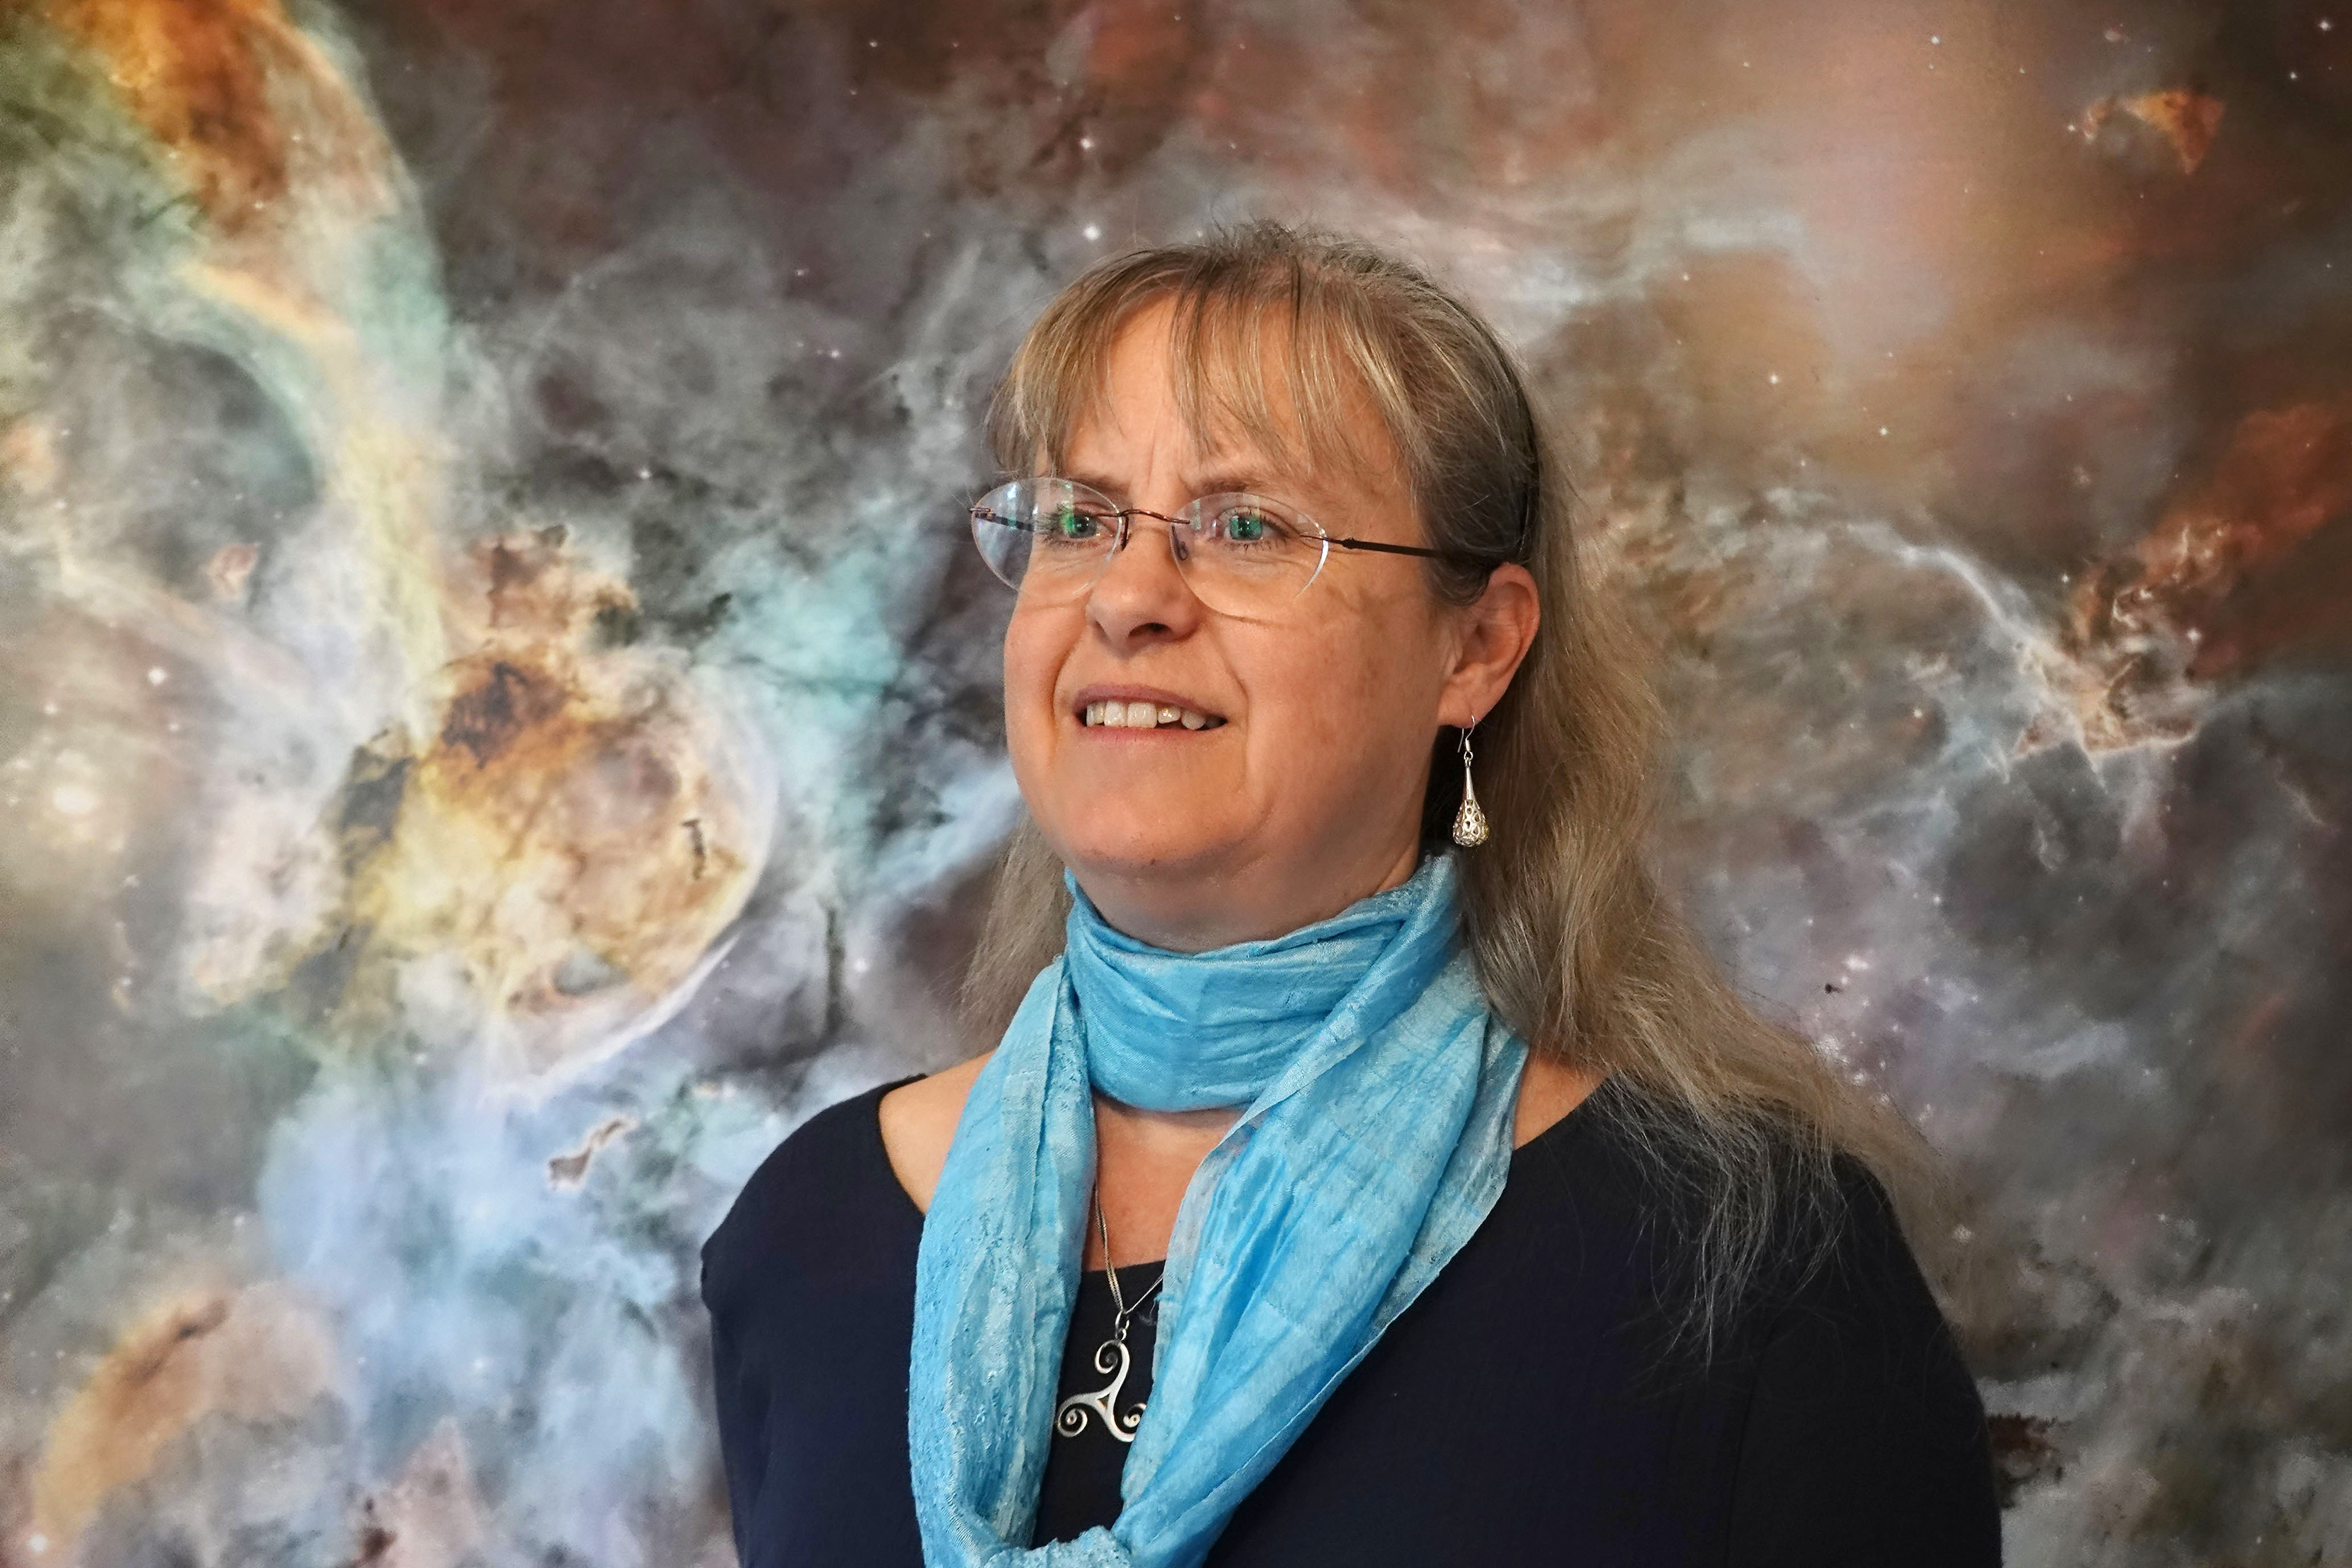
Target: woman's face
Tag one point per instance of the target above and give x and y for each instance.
(1302, 792)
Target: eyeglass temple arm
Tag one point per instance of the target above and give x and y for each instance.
(1391, 549)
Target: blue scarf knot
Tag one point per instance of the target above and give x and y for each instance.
(1378, 1094)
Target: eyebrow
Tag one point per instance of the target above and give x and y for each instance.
(1208, 485)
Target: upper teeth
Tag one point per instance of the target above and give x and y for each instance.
(1145, 715)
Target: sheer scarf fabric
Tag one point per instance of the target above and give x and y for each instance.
(1379, 1094)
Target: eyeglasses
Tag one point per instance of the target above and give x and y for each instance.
(1244, 555)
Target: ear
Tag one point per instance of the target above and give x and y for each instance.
(1496, 633)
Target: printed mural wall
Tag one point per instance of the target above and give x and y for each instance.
(498, 715)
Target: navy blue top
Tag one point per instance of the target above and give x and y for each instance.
(1526, 1408)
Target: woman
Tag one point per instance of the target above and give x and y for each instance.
(1445, 1203)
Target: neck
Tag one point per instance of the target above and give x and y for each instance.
(1203, 912)
(1144, 1160)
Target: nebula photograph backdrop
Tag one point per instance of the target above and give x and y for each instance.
(500, 712)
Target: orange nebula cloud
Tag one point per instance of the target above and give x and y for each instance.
(2188, 119)
(252, 1354)
(194, 74)
(2185, 606)
(571, 833)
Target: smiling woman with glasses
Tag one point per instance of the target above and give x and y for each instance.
(1361, 1172)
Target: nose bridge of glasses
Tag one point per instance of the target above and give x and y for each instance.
(1178, 547)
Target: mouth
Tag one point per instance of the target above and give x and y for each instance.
(1115, 713)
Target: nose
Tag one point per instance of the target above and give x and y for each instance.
(1142, 596)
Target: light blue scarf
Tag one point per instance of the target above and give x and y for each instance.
(1380, 1096)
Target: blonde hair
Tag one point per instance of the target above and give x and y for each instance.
(1577, 950)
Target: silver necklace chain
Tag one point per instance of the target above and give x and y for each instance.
(1119, 1302)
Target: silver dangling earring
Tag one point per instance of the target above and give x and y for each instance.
(1469, 823)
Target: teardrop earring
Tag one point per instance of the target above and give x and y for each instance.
(1469, 823)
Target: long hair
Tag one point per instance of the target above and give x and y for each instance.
(1577, 949)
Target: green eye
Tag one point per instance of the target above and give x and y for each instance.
(1244, 527)
(1072, 524)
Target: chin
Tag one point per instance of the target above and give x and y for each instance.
(1137, 844)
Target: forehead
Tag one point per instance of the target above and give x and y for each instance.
(1239, 394)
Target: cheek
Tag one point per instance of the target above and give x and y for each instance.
(1036, 646)
(1354, 697)
(1037, 642)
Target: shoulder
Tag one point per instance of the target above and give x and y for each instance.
(917, 1124)
(1856, 1327)
(1865, 1439)
(1834, 1267)
(1781, 1248)
(825, 1185)
(1843, 1258)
